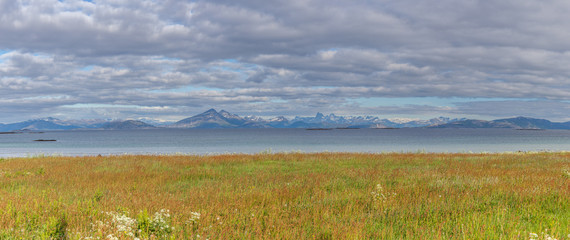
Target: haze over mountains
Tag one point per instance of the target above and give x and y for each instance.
(224, 119)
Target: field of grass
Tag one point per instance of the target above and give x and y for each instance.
(287, 196)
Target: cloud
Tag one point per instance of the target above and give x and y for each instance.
(282, 57)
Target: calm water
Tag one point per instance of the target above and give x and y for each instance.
(211, 141)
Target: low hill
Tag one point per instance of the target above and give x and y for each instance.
(38, 124)
(514, 123)
(129, 124)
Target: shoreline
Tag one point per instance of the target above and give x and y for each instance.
(419, 152)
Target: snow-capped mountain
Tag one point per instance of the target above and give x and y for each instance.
(224, 119)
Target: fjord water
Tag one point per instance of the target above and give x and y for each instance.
(216, 141)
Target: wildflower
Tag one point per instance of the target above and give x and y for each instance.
(548, 237)
(533, 236)
(123, 223)
(159, 218)
(194, 217)
(378, 195)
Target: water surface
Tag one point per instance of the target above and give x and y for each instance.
(215, 141)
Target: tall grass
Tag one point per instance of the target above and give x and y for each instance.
(287, 196)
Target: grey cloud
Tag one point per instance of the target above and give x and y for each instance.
(272, 55)
(97, 29)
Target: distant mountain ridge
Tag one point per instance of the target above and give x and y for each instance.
(54, 124)
(48, 124)
(129, 124)
(223, 119)
(514, 123)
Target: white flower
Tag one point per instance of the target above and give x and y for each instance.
(378, 195)
(122, 224)
(111, 237)
(194, 217)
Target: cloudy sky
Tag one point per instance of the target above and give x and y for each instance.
(170, 59)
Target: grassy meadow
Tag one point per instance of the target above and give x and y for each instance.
(287, 196)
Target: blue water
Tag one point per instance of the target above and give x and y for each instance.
(216, 141)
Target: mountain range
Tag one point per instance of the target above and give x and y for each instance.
(515, 123)
(224, 119)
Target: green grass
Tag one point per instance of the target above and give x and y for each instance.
(287, 196)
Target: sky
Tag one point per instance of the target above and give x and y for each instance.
(170, 59)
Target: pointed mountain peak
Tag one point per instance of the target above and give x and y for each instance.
(319, 115)
(207, 119)
(211, 111)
